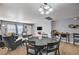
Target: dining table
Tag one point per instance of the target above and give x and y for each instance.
(41, 43)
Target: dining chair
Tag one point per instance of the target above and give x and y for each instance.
(0, 37)
(45, 50)
(75, 38)
(53, 47)
(2, 44)
(11, 44)
(16, 36)
(65, 36)
(31, 49)
(24, 34)
(30, 36)
(44, 35)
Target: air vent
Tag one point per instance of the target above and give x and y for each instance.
(48, 18)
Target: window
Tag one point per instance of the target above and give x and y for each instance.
(11, 28)
(20, 29)
(29, 29)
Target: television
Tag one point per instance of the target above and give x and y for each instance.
(39, 28)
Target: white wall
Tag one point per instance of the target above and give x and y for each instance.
(37, 22)
(45, 24)
(62, 26)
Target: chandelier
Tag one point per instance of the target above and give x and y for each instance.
(45, 9)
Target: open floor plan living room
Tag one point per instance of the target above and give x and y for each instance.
(39, 28)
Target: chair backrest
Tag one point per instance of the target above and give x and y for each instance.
(58, 38)
(45, 35)
(2, 44)
(24, 35)
(75, 35)
(31, 42)
(30, 36)
(53, 46)
(19, 41)
(8, 41)
(0, 37)
(63, 35)
(16, 36)
(30, 45)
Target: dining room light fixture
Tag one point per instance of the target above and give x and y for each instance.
(45, 9)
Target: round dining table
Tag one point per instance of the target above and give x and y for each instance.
(42, 42)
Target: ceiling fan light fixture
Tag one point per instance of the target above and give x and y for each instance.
(50, 9)
(42, 13)
(47, 12)
(40, 9)
(45, 9)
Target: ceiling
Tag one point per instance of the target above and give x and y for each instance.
(30, 10)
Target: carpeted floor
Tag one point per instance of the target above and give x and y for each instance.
(65, 49)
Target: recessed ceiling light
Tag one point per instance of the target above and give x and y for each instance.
(75, 18)
(3, 25)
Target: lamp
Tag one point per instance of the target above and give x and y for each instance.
(45, 9)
